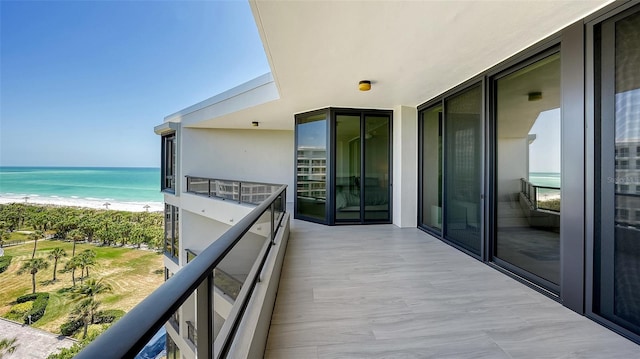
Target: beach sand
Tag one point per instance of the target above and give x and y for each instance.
(84, 202)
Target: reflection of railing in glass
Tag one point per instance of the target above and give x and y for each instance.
(541, 197)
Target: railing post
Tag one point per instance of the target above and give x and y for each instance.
(204, 318)
(535, 197)
(273, 223)
(239, 192)
(209, 187)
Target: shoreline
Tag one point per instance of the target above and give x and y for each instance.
(94, 203)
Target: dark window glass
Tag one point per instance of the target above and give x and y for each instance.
(311, 171)
(463, 171)
(348, 165)
(528, 120)
(617, 242)
(169, 149)
(432, 168)
(171, 239)
(377, 163)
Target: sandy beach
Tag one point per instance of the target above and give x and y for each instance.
(83, 202)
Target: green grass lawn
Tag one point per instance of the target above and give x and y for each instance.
(132, 273)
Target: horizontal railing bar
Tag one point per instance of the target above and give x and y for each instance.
(235, 181)
(537, 186)
(131, 333)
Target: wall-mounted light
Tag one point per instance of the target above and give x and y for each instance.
(364, 85)
(255, 123)
(535, 96)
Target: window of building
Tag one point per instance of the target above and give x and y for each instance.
(168, 168)
(171, 232)
(173, 351)
(622, 152)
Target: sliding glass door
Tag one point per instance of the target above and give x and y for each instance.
(362, 167)
(343, 166)
(617, 212)
(527, 162)
(463, 169)
(430, 210)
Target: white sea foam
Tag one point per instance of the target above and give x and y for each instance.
(86, 202)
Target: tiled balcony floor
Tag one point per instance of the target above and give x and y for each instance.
(384, 292)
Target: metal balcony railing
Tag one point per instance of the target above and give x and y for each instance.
(241, 191)
(198, 280)
(541, 197)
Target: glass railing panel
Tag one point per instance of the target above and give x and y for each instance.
(160, 342)
(225, 189)
(198, 185)
(235, 276)
(548, 198)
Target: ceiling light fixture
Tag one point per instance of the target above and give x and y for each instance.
(535, 96)
(364, 85)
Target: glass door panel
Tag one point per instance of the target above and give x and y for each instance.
(432, 168)
(375, 182)
(617, 247)
(347, 167)
(527, 192)
(463, 169)
(311, 166)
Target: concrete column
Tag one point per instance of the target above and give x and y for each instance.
(405, 166)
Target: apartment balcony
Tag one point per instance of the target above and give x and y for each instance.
(375, 291)
(385, 292)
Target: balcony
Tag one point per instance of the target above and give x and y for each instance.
(361, 292)
(386, 292)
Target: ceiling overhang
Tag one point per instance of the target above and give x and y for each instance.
(412, 51)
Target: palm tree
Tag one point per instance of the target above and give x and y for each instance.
(7, 346)
(86, 259)
(75, 235)
(34, 237)
(4, 236)
(91, 288)
(56, 254)
(84, 312)
(88, 293)
(32, 266)
(72, 265)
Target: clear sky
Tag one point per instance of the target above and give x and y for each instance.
(544, 152)
(83, 83)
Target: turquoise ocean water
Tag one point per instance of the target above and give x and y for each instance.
(551, 179)
(140, 185)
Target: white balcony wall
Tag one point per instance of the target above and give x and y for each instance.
(249, 155)
(198, 232)
(405, 172)
(514, 164)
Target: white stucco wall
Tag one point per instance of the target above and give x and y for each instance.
(405, 171)
(248, 155)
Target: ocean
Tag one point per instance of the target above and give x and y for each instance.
(122, 188)
(551, 179)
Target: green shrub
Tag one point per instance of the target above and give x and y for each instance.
(108, 316)
(18, 311)
(5, 261)
(70, 327)
(28, 297)
(39, 306)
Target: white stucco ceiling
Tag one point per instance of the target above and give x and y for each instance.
(410, 50)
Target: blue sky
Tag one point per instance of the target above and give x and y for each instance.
(83, 83)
